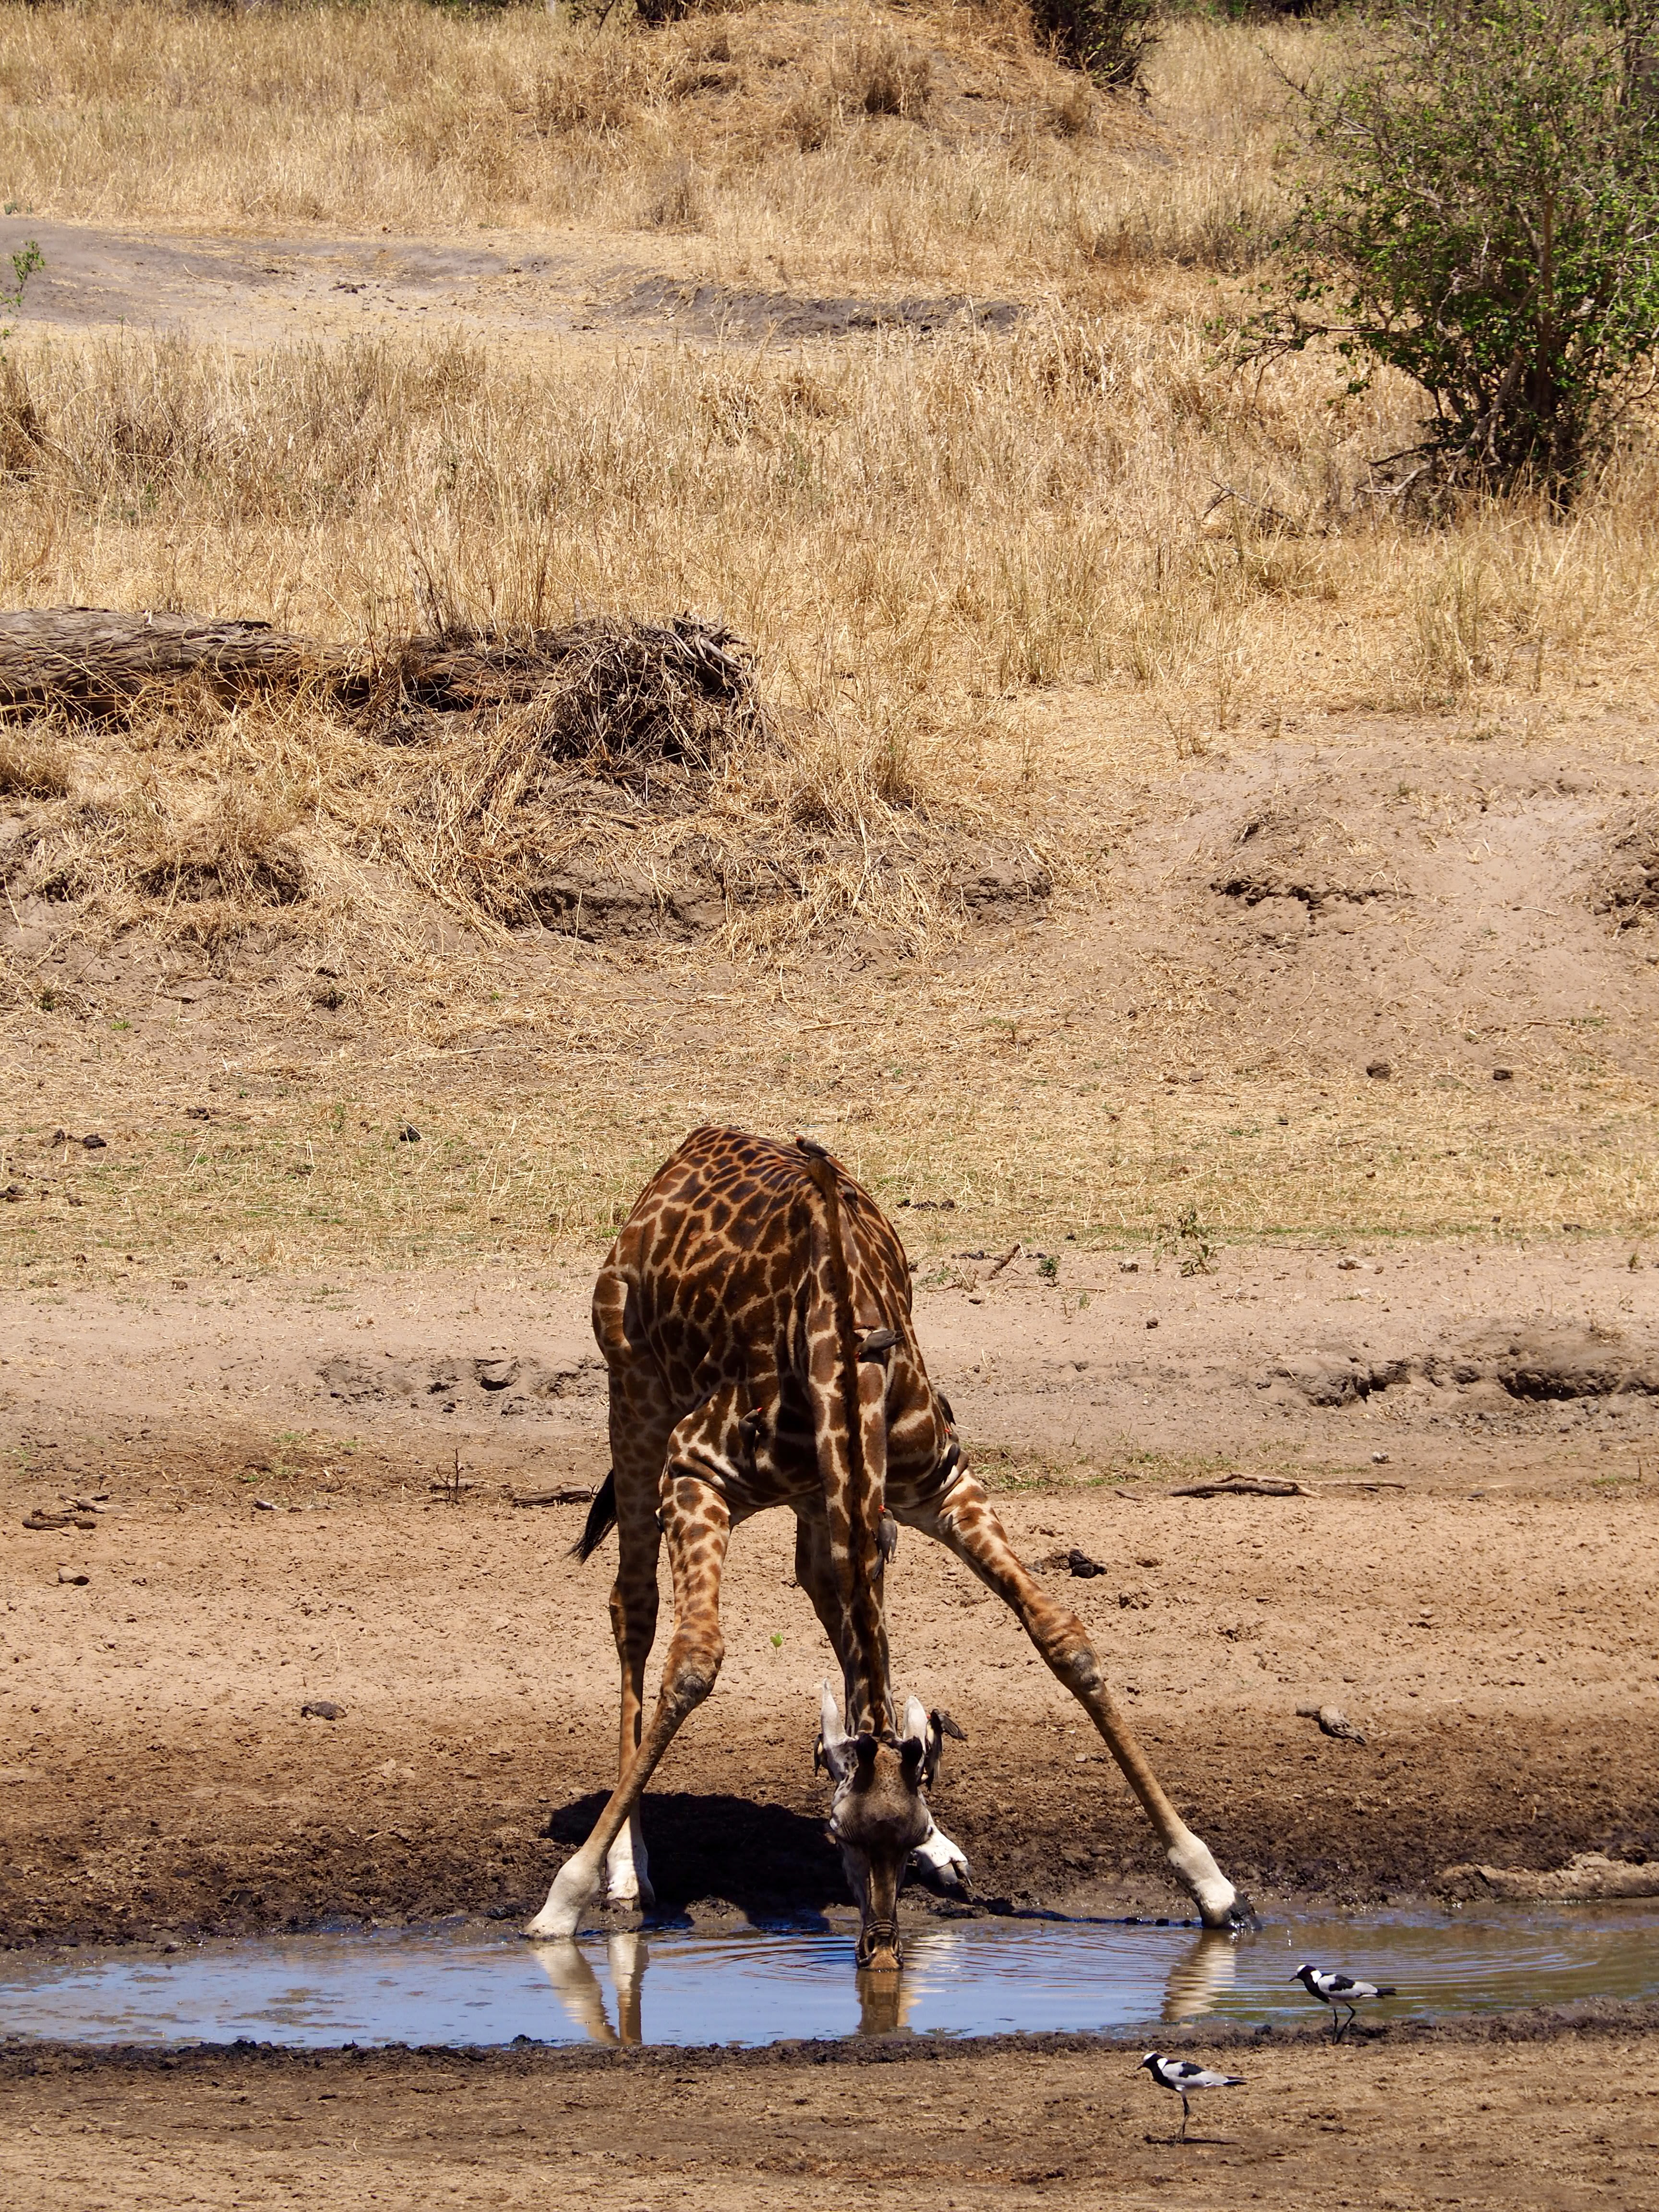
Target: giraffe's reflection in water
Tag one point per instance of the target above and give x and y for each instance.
(885, 1996)
(1202, 1977)
(1200, 1980)
(582, 1993)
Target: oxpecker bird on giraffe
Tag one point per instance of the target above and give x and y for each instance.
(754, 1313)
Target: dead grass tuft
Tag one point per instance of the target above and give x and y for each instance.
(883, 73)
(675, 199)
(34, 762)
(240, 853)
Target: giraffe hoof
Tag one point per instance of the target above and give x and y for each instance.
(572, 1888)
(551, 1927)
(634, 1896)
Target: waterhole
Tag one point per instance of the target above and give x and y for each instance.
(461, 1986)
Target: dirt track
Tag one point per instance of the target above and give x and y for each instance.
(248, 291)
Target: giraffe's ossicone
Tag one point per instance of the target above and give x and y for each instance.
(754, 1317)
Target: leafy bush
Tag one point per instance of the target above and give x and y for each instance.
(23, 266)
(1486, 217)
(1107, 39)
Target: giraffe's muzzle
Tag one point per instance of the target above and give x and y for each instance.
(879, 1943)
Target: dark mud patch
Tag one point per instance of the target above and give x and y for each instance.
(718, 310)
(355, 1822)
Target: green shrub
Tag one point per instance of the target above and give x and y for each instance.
(1486, 216)
(23, 266)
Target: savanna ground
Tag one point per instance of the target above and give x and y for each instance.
(1130, 781)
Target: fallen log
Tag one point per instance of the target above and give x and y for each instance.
(93, 660)
(616, 689)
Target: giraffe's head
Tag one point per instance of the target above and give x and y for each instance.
(878, 1816)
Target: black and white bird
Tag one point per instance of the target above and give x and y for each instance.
(1181, 2076)
(1339, 1992)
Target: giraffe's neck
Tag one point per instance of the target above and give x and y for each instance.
(850, 1417)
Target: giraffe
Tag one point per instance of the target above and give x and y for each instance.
(754, 1313)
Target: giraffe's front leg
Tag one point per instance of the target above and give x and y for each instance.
(697, 1525)
(963, 1520)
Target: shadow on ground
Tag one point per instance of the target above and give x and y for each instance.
(763, 1859)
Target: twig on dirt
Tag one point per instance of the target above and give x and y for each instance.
(451, 1484)
(565, 1493)
(1246, 1486)
(1013, 1253)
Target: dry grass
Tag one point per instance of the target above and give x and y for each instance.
(854, 140)
(928, 541)
(913, 533)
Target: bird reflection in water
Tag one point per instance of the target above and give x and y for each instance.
(1202, 1977)
(582, 1993)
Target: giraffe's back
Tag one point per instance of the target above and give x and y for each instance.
(708, 1278)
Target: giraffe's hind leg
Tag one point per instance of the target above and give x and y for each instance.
(641, 1422)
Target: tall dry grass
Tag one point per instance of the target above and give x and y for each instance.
(915, 534)
(837, 143)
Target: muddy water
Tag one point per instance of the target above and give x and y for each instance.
(460, 1986)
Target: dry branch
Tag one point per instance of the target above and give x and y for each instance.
(615, 693)
(1249, 1485)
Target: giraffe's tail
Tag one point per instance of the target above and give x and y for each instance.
(850, 1429)
(601, 1520)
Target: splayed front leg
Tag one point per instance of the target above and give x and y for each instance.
(1194, 1867)
(575, 1888)
(964, 1521)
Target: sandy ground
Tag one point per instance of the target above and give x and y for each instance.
(1524, 2114)
(231, 288)
(275, 1540)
